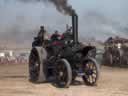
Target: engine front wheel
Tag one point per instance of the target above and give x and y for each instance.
(63, 74)
(91, 69)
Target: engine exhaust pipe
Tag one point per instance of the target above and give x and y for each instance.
(75, 27)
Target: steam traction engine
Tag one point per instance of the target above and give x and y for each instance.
(116, 52)
(62, 62)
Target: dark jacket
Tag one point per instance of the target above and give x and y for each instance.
(41, 34)
(55, 37)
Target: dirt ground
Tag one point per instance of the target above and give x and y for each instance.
(14, 82)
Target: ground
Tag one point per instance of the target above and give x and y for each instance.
(14, 82)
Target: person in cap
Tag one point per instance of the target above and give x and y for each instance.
(55, 36)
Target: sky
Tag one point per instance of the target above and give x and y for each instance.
(110, 7)
(20, 21)
(105, 17)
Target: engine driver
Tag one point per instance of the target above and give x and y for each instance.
(55, 36)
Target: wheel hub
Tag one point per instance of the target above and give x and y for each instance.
(89, 72)
(61, 74)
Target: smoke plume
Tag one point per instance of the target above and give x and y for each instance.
(61, 5)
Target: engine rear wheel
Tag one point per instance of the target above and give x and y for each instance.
(63, 74)
(34, 66)
(91, 69)
(108, 59)
(37, 67)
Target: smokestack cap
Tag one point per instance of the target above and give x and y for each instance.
(73, 12)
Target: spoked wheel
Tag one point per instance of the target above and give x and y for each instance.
(63, 74)
(34, 66)
(91, 69)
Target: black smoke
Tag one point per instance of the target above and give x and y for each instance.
(61, 5)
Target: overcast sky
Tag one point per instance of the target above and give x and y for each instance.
(114, 12)
(115, 8)
(97, 18)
